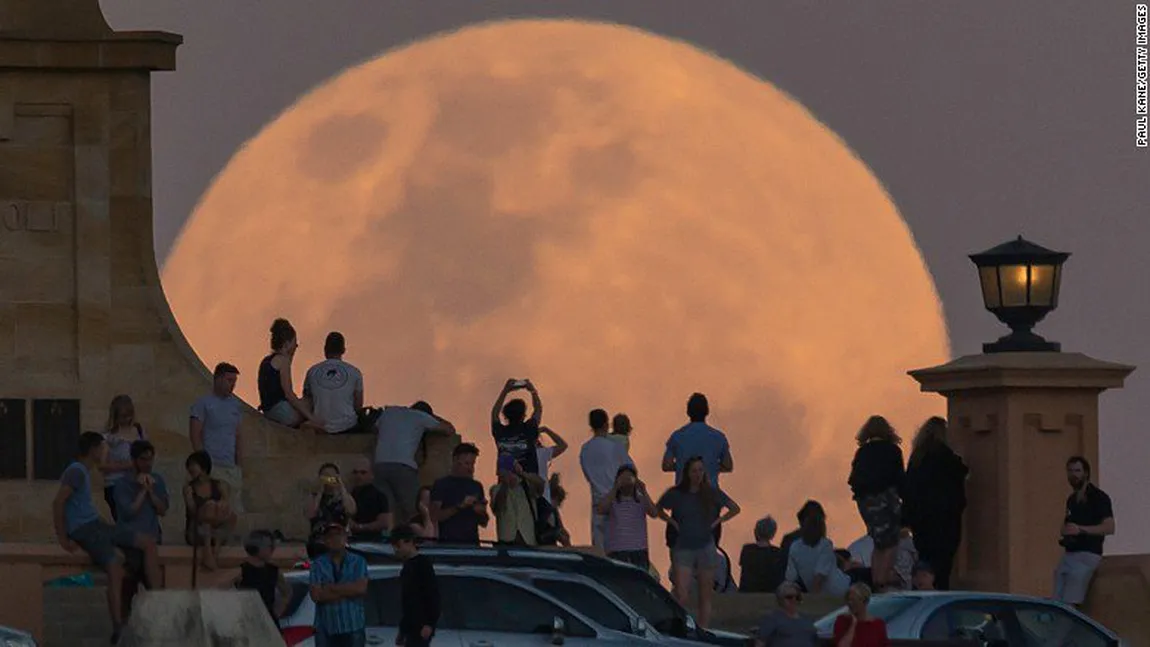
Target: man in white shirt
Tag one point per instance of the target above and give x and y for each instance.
(548, 453)
(601, 459)
(335, 388)
(400, 433)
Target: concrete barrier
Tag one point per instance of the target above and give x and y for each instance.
(200, 619)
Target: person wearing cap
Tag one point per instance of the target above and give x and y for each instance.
(335, 388)
(338, 587)
(419, 591)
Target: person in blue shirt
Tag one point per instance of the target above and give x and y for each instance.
(79, 527)
(698, 438)
(338, 587)
(142, 497)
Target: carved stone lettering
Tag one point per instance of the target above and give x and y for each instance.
(32, 216)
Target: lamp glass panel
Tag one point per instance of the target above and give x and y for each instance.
(1014, 280)
(1057, 286)
(988, 276)
(1042, 285)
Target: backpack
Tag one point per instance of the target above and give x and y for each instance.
(546, 517)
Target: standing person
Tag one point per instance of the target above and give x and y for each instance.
(142, 498)
(210, 515)
(513, 500)
(762, 563)
(338, 587)
(621, 430)
(278, 400)
(458, 503)
(935, 498)
(372, 516)
(399, 434)
(1089, 520)
(214, 427)
(547, 453)
(259, 574)
(519, 436)
(79, 527)
(600, 458)
(784, 627)
(857, 627)
(422, 523)
(627, 506)
(120, 432)
(419, 591)
(696, 508)
(334, 388)
(877, 480)
(330, 503)
(699, 439)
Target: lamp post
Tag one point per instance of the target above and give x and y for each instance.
(1020, 283)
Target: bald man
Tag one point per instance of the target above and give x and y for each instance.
(372, 516)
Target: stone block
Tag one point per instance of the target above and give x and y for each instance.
(92, 175)
(46, 280)
(7, 331)
(45, 331)
(200, 619)
(92, 119)
(40, 131)
(35, 173)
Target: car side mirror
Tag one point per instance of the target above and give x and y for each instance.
(558, 631)
(641, 628)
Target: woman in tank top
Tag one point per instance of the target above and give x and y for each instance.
(278, 400)
(120, 432)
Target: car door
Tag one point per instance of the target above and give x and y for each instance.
(983, 621)
(486, 612)
(384, 610)
(588, 601)
(1047, 625)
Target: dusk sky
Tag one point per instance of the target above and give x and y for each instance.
(983, 121)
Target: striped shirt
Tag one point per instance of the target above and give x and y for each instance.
(626, 526)
(346, 615)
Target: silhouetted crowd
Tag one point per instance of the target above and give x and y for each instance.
(912, 510)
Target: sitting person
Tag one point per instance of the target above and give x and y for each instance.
(862, 549)
(329, 504)
(423, 524)
(259, 574)
(210, 518)
(278, 400)
(811, 560)
(785, 627)
(372, 516)
(922, 577)
(334, 389)
(857, 627)
(763, 564)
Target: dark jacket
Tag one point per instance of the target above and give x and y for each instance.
(876, 468)
(935, 493)
(419, 596)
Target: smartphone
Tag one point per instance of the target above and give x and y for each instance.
(519, 384)
(331, 480)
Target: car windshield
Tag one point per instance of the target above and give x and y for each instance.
(885, 607)
(647, 599)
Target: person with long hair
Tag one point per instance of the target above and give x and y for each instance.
(935, 499)
(811, 559)
(696, 508)
(877, 479)
(120, 432)
(278, 400)
(627, 507)
(857, 627)
(210, 517)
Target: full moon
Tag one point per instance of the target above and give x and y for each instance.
(622, 218)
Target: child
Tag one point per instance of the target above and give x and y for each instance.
(627, 507)
(621, 430)
(258, 574)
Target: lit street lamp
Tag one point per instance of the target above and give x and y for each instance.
(1020, 282)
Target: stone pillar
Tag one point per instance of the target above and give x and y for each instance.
(1015, 418)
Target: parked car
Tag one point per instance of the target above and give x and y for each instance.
(480, 607)
(992, 619)
(15, 638)
(642, 593)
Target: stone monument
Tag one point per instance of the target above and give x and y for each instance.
(82, 313)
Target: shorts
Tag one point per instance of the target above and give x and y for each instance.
(101, 541)
(285, 414)
(882, 514)
(695, 559)
(1073, 575)
(400, 484)
(233, 476)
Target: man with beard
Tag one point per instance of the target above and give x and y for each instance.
(1089, 519)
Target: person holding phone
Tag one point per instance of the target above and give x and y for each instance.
(518, 437)
(330, 503)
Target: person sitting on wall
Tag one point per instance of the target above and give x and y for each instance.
(334, 389)
(210, 518)
(278, 400)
